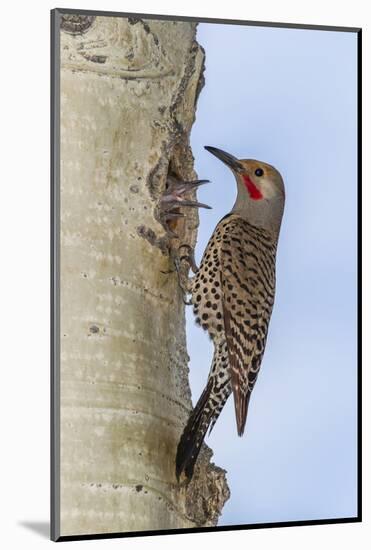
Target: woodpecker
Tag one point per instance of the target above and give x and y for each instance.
(175, 196)
(232, 294)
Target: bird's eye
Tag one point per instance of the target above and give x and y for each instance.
(259, 172)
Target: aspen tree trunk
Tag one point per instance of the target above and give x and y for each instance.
(128, 97)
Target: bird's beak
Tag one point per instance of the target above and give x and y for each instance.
(228, 159)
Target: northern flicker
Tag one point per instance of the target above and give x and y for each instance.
(232, 295)
(175, 196)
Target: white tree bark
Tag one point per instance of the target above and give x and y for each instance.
(128, 95)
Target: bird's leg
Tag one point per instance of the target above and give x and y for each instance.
(174, 198)
(181, 267)
(182, 263)
(190, 257)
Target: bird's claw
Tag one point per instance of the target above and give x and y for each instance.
(190, 257)
(183, 280)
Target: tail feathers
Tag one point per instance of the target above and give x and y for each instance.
(215, 417)
(194, 433)
(241, 403)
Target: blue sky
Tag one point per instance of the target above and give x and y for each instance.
(288, 97)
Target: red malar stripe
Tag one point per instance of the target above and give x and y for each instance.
(252, 189)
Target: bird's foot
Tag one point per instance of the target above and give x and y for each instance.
(189, 258)
(174, 198)
(182, 263)
(184, 281)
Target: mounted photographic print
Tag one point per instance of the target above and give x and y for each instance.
(205, 214)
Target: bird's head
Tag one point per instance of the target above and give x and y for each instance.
(261, 191)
